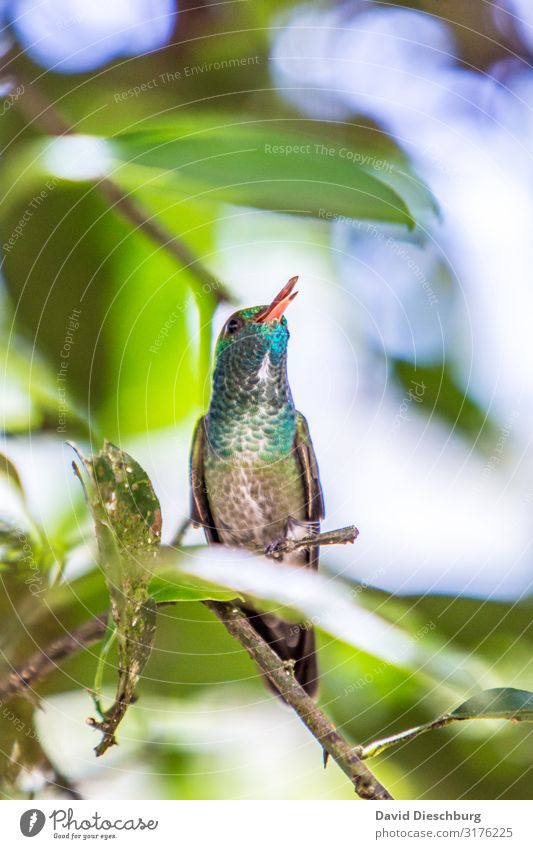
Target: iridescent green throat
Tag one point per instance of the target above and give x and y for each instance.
(251, 411)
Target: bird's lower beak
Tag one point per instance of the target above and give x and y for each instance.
(275, 310)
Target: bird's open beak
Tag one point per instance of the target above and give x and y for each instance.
(275, 310)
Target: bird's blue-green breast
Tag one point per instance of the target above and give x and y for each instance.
(251, 407)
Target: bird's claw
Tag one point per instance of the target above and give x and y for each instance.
(276, 549)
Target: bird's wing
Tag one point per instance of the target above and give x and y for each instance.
(200, 509)
(312, 489)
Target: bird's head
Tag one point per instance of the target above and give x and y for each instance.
(255, 337)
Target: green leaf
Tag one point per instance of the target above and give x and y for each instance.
(11, 546)
(115, 316)
(260, 164)
(126, 501)
(30, 390)
(303, 596)
(127, 518)
(23, 554)
(172, 585)
(497, 703)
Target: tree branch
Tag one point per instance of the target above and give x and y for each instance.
(42, 663)
(282, 677)
(340, 536)
(180, 251)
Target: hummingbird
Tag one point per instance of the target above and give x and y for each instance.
(253, 472)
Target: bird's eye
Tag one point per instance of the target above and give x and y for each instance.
(233, 325)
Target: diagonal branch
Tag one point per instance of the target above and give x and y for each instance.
(206, 283)
(42, 663)
(282, 677)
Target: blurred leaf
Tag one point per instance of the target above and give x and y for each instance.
(21, 751)
(112, 323)
(497, 703)
(11, 545)
(257, 164)
(25, 555)
(399, 176)
(9, 470)
(303, 596)
(127, 518)
(468, 624)
(443, 395)
(58, 243)
(29, 390)
(170, 585)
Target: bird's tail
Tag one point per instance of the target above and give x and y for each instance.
(290, 642)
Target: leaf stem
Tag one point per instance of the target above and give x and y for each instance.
(106, 648)
(379, 746)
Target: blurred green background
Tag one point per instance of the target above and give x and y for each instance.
(382, 151)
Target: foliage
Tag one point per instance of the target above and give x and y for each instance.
(104, 333)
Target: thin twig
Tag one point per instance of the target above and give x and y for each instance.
(42, 663)
(341, 536)
(379, 746)
(178, 537)
(282, 677)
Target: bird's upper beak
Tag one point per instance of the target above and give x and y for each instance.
(275, 310)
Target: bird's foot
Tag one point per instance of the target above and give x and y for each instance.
(277, 548)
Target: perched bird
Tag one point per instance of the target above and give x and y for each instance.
(254, 476)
